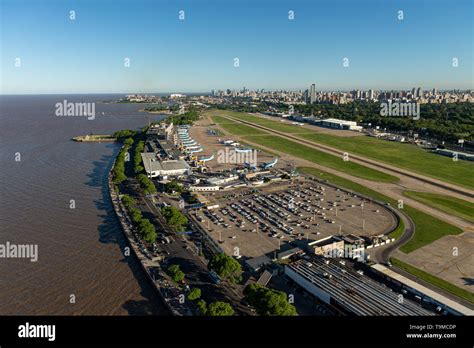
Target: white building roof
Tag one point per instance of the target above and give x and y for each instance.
(338, 121)
(152, 164)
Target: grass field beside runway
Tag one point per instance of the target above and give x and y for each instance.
(236, 128)
(450, 205)
(302, 151)
(275, 125)
(427, 229)
(305, 152)
(405, 156)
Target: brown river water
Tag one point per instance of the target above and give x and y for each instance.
(79, 250)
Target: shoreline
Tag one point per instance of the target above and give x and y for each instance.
(122, 216)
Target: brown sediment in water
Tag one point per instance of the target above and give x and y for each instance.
(56, 196)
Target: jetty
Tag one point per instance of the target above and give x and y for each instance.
(94, 138)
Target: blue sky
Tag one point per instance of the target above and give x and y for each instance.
(196, 55)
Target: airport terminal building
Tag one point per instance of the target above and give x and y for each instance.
(155, 167)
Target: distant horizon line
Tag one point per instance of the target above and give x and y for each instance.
(224, 89)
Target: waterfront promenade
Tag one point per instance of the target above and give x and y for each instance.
(165, 287)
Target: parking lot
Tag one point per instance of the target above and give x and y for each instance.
(255, 222)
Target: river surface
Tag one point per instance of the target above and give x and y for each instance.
(79, 250)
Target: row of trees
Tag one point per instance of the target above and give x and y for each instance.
(242, 105)
(447, 122)
(145, 228)
(174, 217)
(162, 107)
(137, 157)
(268, 302)
(146, 184)
(186, 118)
(118, 173)
(128, 201)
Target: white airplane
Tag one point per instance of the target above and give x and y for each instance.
(268, 165)
(196, 150)
(205, 159)
(242, 150)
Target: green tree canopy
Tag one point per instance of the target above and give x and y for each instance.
(220, 308)
(147, 230)
(122, 134)
(225, 266)
(173, 186)
(128, 141)
(202, 307)
(194, 294)
(268, 302)
(146, 184)
(135, 216)
(137, 157)
(175, 273)
(174, 217)
(128, 201)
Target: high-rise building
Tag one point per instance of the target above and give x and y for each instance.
(371, 94)
(306, 96)
(419, 92)
(312, 94)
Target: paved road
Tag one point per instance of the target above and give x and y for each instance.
(382, 254)
(183, 252)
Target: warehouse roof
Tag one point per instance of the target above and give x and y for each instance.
(355, 292)
(152, 164)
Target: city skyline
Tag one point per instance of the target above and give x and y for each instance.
(197, 54)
